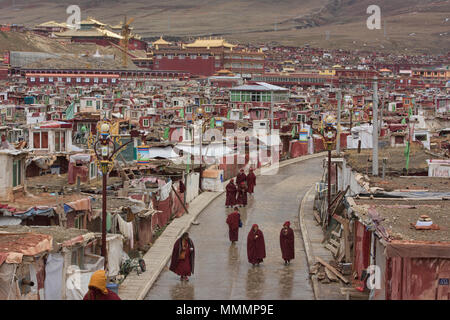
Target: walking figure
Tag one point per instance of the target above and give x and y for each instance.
(256, 248)
(183, 256)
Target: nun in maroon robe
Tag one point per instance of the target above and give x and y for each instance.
(251, 181)
(287, 243)
(256, 248)
(183, 256)
(231, 194)
(242, 195)
(241, 177)
(233, 225)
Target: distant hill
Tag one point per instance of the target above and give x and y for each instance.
(417, 25)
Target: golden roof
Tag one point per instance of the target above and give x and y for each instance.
(209, 43)
(161, 41)
(95, 32)
(52, 24)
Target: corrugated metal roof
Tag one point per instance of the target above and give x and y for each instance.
(260, 86)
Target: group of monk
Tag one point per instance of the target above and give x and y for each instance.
(183, 253)
(256, 247)
(237, 193)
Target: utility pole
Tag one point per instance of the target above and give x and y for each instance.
(338, 139)
(271, 111)
(375, 128)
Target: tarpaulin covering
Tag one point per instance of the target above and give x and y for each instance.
(165, 190)
(53, 277)
(115, 250)
(80, 205)
(166, 210)
(77, 171)
(145, 231)
(77, 284)
(36, 211)
(8, 287)
(415, 249)
(15, 245)
(177, 206)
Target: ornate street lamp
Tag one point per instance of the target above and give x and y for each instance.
(329, 136)
(105, 151)
(200, 118)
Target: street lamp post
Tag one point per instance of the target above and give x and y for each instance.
(329, 135)
(200, 117)
(105, 158)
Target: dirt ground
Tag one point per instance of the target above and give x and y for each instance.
(412, 183)
(399, 215)
(396, 160)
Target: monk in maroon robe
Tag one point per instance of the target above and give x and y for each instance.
(231, 194)
(251, 181)
(242, 195)
(241, 177)
(287, 243)
(256, 248)
(233, 225)
(183, 256)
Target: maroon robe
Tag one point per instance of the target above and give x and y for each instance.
(256, 248)
(242, 196)
(183, 267)
(231, 194)
(241, 177)
(251, 182)
(233, 225)
(97, 295)
(287, 244)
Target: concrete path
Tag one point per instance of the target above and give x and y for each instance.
(312, 237)
(222, 270)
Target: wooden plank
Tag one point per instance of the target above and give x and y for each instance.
(316, 215)
(331, 275)
(332, 269)
(332, 249)
(335, 243)
(336, 234)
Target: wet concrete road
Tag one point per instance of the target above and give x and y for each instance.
(222, 270)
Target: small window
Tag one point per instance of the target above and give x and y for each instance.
(95, 80)
(32, 79)
(113, 80)
(50, 79)
(86, 80)
(68, 80)
(193, 56)
(105, 80)
(17, 173)
(145, 123)
(78, 79)
(92, 170)
(41, 79)
(60, 79)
